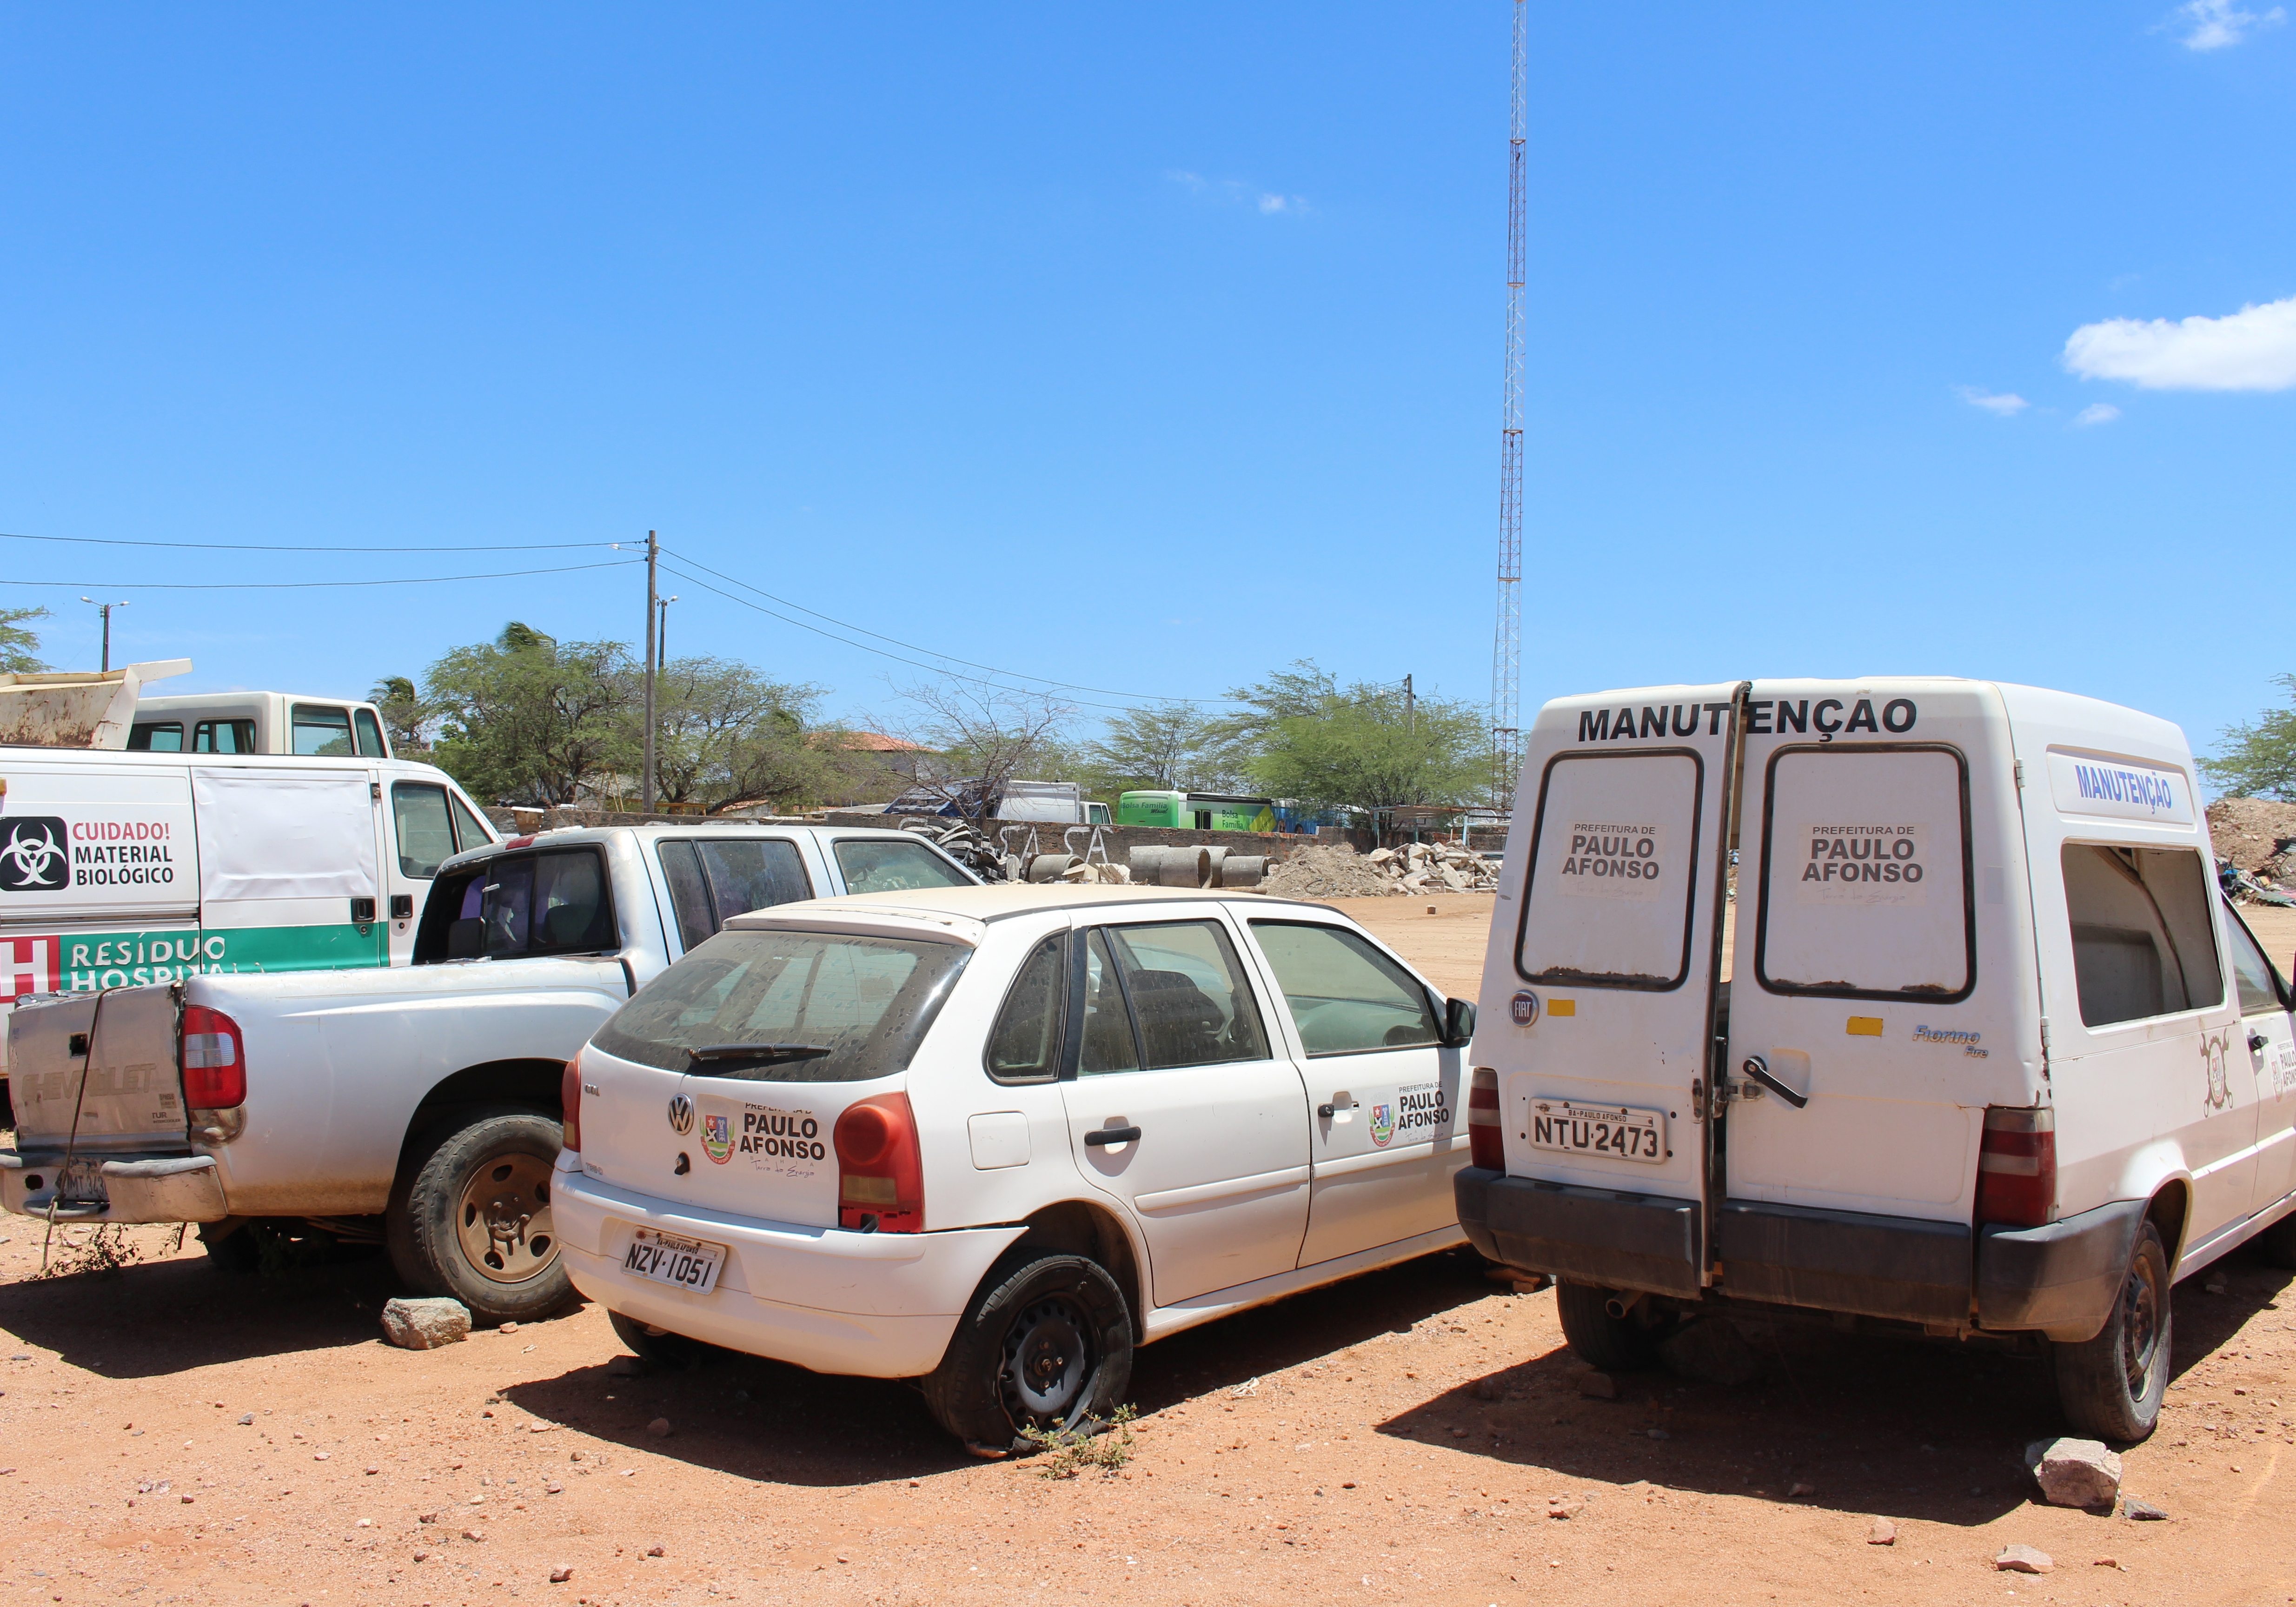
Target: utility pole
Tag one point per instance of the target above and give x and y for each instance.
(654, 553)
(1410, 708)
(1506, 646)
(107, 608)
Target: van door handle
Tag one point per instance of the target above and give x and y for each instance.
(1758, 1069)
(1107, 1135)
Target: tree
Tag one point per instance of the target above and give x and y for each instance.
(725, 734)
(403, 715)
(17, 644)
(1165, 748)
(527, 718)
(2258, 760)
(1361, 747)
(987, 734)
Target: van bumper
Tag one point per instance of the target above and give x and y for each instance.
(137, 1188)
(2062, 1278)
(1902, 1267)
(1590, 1235)
(875, 1305)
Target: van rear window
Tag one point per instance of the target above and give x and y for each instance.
(1866, 874)
(1608, 903)
(788, 1006)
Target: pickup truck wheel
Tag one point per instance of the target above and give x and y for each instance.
(2110, 1385)
(1609, 1343)
(471, 1218)
(1046, 1344)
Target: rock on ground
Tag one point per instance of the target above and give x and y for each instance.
(2074, 1472)
(1882, 1532)
(2024, 1559)
(425, 1325)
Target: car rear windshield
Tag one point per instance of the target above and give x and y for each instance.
(788, 1006)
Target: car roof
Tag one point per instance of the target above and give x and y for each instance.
(1005, 900)
(699, 824)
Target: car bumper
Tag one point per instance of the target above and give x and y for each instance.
(875, 1305)
(137, 1188)
(2062, 1278)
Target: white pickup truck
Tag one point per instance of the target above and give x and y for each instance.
(418, 1106)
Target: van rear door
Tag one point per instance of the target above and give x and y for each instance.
(1883, 992)
(1599, 991)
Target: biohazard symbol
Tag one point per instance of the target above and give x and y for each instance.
(34, 861)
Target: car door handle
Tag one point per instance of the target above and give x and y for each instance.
(1758, 1069)
(1335, 1108)
(1106, 1135)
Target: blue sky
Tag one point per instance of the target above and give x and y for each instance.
(1150, 349)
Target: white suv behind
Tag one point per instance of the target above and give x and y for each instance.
(992, 1137)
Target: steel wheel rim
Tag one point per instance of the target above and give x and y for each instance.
(502, 1219)
(1047, 1359)
(2140, 1326)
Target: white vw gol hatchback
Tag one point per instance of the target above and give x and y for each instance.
(989, 1138)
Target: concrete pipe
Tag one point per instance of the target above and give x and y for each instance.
(1048, 867)
(1213, 860)
(1146, 861)
(1242, 869)
(1184, 867)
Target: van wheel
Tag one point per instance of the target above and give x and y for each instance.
(1610, 1344)
(1046, 1344)
(2110, 1385)
(659, 1347)
(471, 1216)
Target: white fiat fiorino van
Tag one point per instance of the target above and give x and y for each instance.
(990, 1138)
(1990, 1058)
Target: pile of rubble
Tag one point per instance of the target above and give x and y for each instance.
(2255, 840)
(1416, 867)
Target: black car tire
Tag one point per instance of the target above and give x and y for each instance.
(2110, 1386)
(442, 1211)
(1610, 1344)
(1046, 1343)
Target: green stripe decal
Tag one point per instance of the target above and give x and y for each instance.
(132, 958)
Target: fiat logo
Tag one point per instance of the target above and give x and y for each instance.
(1523, 1008)
(681, 1114)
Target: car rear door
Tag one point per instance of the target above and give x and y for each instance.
(1179, 1106)
(1599, 988)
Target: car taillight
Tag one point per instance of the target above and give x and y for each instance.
(881, 1175)
(213, 1059)
(569, 1104)
(1486, 1137)
(2017, 1167)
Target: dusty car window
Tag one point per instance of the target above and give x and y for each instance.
(1865, 875)
(1609, 899)
(878, 866)
(2142, 943)
(1345, 996)
(786, 1006)
(426, 835)
(1188, 994)
(1025, 1045)
(2254, 974)
(534, 903)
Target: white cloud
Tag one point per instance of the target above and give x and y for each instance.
(2003, 406)
(2216, 23)
(1268, 203)
(2096, 413)
(2251, 349)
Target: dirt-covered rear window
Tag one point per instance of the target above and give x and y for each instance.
(788, 1006)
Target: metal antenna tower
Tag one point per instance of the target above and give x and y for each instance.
(1506, 648)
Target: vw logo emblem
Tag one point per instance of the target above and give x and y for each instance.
(681, 1114)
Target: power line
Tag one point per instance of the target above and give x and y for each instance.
(237, 546)
(938, 669)
(291, 586)
(1010, 674)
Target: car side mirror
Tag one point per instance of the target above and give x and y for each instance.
(1458, 1022)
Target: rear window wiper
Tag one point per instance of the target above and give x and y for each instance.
(761, 1054)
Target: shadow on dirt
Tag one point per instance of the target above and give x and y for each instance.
(1893, 1428)
(763, 1419)
(155, 1317)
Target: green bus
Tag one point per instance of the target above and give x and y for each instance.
(1196, 811)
